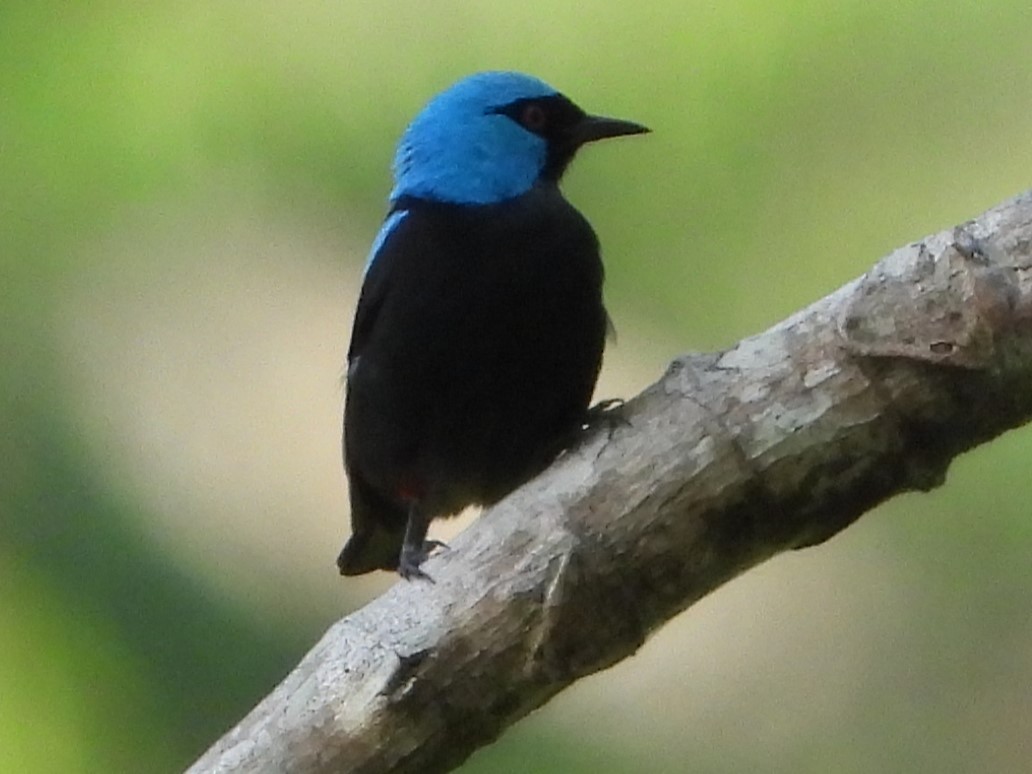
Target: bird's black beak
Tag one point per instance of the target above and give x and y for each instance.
(591, 128)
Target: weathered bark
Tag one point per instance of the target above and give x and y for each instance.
(732, 457)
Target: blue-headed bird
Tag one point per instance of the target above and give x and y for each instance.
(480, 326)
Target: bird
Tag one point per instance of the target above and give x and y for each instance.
(480, 326)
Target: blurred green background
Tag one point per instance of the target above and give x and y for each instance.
(188, 193)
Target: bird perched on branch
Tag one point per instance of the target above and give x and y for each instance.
(480, 327)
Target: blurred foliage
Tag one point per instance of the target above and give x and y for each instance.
(794, 143)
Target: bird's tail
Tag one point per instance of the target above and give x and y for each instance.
(377, 530)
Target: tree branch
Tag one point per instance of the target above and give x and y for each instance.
(732, 457)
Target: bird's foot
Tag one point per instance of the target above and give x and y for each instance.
(608, 414)
(412, 557)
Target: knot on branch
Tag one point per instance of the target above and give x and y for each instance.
(943, 306)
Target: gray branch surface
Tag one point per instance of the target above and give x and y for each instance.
(730, 458)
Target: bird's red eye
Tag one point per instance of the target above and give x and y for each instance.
(533, 117)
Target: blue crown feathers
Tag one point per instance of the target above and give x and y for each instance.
(459, 150)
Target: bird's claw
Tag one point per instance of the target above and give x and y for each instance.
(411, 559)
(607, 413)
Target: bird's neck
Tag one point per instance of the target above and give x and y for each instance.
(407, 201)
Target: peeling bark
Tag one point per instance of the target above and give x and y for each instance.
(730, 458)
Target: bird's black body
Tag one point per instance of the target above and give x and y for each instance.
(476, 346)
(474, 353)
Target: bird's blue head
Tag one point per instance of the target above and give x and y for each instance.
(491, 137)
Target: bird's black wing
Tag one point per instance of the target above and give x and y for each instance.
(377, 524)
(374, 289)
